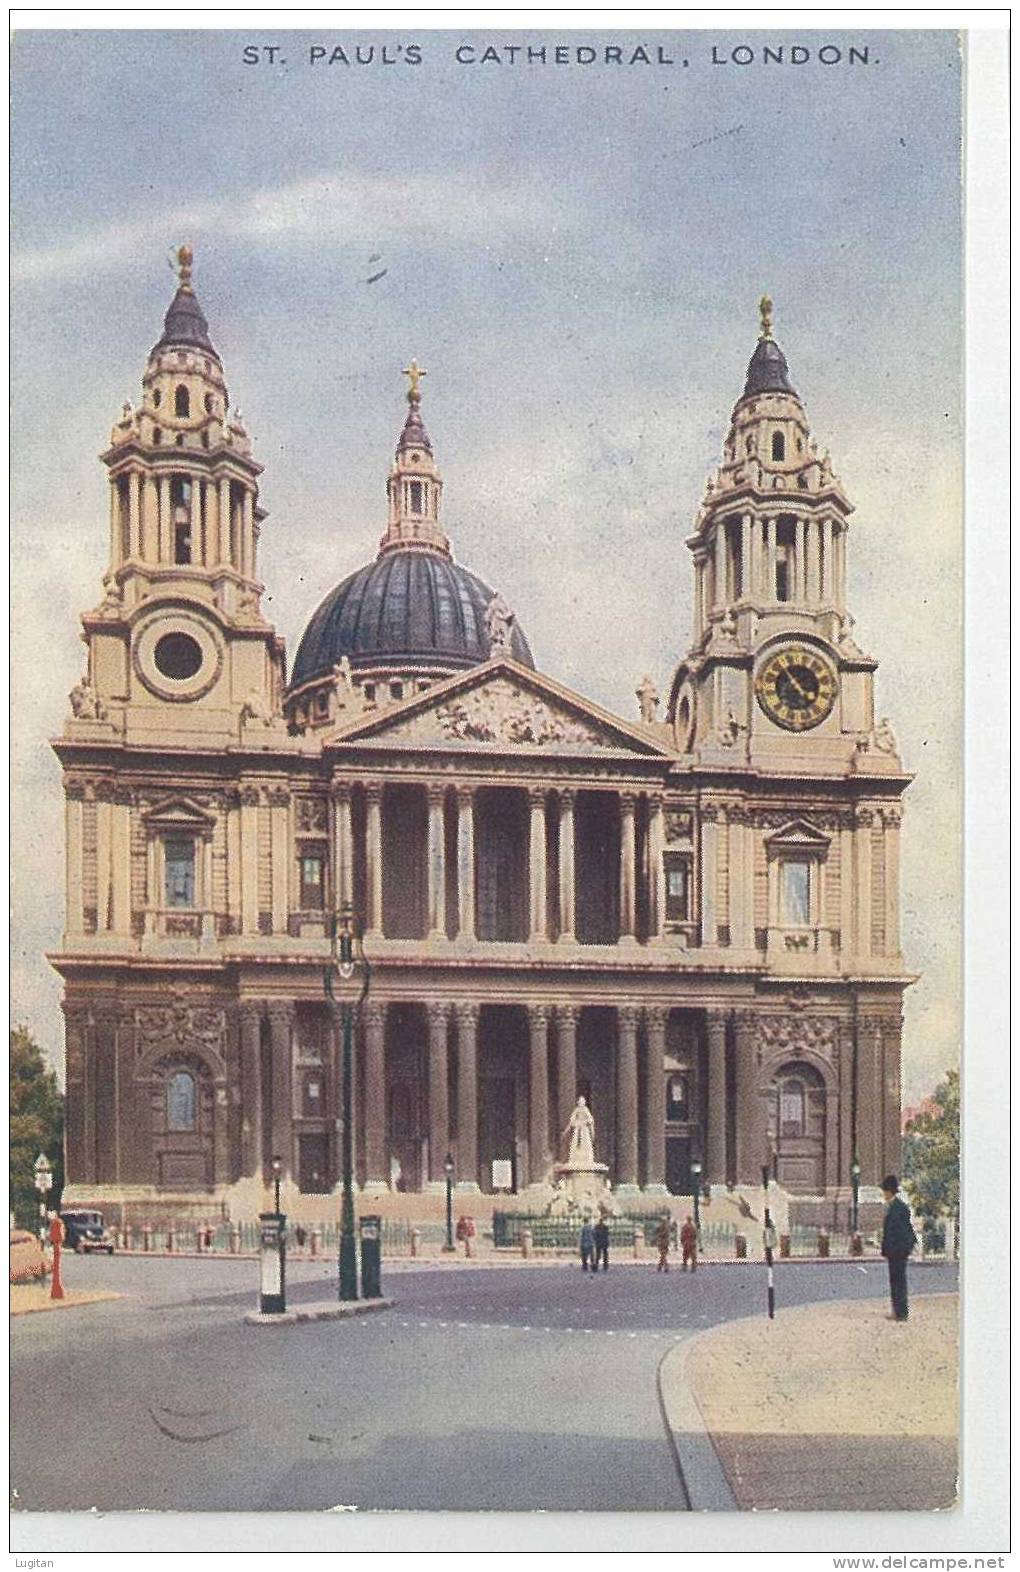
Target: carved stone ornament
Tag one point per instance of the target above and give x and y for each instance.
(730, 730)
(250, 796)
(499, 625)
(679, 825)
(501, 713)
(85, 702)
(311, 814)
(178, 1025)
(796, 1035)
(648, 699)
(256, 708)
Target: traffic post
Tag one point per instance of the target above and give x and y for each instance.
(371, 1257)
(272, 1264)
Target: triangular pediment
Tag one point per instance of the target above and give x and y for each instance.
(797, 835)
(180, 813)
(501, 707)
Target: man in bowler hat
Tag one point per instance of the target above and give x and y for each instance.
(898, 1240)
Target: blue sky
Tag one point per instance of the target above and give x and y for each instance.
(575, 254)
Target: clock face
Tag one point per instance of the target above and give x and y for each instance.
(796, 688)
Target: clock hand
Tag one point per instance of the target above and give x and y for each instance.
(798, 687)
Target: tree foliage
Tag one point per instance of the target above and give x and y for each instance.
(931, 1152)
(36, 1125)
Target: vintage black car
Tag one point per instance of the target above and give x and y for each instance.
(86, 1231)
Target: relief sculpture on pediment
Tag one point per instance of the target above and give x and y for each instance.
(501, 713)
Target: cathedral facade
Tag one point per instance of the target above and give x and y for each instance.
(691, 918)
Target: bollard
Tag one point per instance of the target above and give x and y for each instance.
(199, 1240)
(316, 1240)
(416, 1241)
(823, 1243)
(639, 1243)
(740, 1241)
(146, 1237)
(856, 1244)
(784, 1247)
(234, 1244)
(526, 1246)
(170, 1240)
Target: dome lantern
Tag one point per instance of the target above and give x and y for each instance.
(415, 486)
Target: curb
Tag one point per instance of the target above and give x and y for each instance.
(320, 1312)
(702, 1476)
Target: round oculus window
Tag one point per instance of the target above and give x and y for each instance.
(178, 656)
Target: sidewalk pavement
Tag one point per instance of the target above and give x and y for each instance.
(29, 1297)
(827, 1408)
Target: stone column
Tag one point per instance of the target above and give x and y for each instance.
(281, 1019)
(467, 1096)
(891, 850)
(377, 1171)
(626, 1098)
(466, 863)
(655, 1101)
(439, 1107)
(656, 869)
(566, 1066)
(699, 596)
(741, 880)
(103, 825)
(74, 814)
(116, 554)
(436, 863)
(750, 1124)
(814, 560)
(709, 875)
(76, 1030)
(197, 542)
(716, 1154)
(224, 518)
(839, 567)
(538, 1093)
(800, 565)
(862, 883)
(279, 810)
(248, 534)
(536, 865)
(568, 916)
(343, 848)
(771, 528)
(847, 939)
(120, 862)
(746, 557)
(627, 846)
(150, 519)
(166, 554)
(719, 597)
(373, 850)
(826, 590)
(249, 859)
(251, 1090)
(134, 514)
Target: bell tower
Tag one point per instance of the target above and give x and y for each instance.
(773, 675)
(178, 644)
(415, 486)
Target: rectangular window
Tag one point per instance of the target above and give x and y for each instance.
(795, 892)
(416, 496)
(312, 882)
(677, 868)
(313, 1102)
(179, 860)
(676, 1098)
(782, 579)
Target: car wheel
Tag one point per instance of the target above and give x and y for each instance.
(109, 1249)
(79, 1248)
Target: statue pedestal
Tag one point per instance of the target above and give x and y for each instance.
(581, 1188)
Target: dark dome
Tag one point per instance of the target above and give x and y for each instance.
(768, 371)
(407, 605)
(185, 324)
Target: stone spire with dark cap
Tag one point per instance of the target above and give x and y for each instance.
(415, 485)
(767, 371)
(184, 323)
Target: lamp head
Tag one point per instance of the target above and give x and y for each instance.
(448, 1166)
(696, 1167)
(277, 1166)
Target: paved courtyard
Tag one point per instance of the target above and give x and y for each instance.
(485, 1388)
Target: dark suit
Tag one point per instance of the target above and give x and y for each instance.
(898, 1240)
(601, 1247)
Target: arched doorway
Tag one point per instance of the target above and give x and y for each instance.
(797, 1127)
(182, 1123)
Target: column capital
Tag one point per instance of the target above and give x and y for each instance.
(438, 1012)
(568, 1014)
(538, 1015)
(340, 791)
(537, 796)
(628, 801)
(249, 796)
(373, 1014)
(655, 801)
(465, 795)
(567, 796)
(627, 1016)
(373, 792)
(467, 1013)
(716, 1022)
(435, 791)
(75, 791)
(656, 1016)
(278, 796)
(250, 1012)
(280, 1012)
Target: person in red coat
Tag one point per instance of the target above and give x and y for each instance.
(689, 1245)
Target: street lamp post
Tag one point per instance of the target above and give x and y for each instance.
(855, 1193)
(277, 1170)
(696, 1195)
(43, 1183)
(346, 984)
(448, 1170)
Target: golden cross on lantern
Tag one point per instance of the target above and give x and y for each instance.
(415, 373)
(765, 307)
(185, 256)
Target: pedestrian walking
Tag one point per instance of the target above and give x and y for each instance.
(689, 1245)
(663, 1241)
(587, 1245)
(601, 1233)
(898, 1240)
